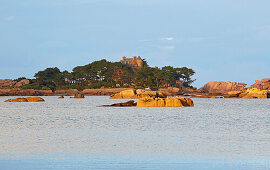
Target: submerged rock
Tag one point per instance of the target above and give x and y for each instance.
(28, 99)
(165, 102)
(125, 104)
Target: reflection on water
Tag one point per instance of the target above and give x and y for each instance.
(216, 133)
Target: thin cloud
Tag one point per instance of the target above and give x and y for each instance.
(168, 47)
(148, 40)
(10, 18)
(158, 39)
(168, 38)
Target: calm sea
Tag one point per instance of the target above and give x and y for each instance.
(76, 134)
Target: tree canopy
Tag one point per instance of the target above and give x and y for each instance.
(113, 74)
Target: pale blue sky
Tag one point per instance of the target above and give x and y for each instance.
(225, 40)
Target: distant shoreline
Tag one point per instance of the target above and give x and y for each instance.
(170, 91)
(69, 92)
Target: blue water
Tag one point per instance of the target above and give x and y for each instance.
(75, 134)
(82, 161)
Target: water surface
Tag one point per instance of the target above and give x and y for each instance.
(75, 133)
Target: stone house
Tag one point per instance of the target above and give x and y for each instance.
(134, 63)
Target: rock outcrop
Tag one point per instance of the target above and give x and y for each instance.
(251, 93)
(77, 96)
(151, 102)
(222, 87)
(28, 99)
(171, 91)
(173, 102)
(91, 92)
(25, 92)
(130, 103)
(136, 94)
(69, 92)
(126, 94)
(264, 84)
(103, 91)
(22, 82)
(35, 99)
(17, 100)
(7, 83)
(165, 102)
(187, 102)
(213, 97)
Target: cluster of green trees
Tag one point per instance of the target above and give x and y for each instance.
(111, 74)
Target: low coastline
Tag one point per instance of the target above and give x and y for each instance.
(70, 92)
(171, 91)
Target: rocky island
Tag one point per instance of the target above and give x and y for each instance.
(131, 78)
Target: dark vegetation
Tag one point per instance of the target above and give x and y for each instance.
(107, 74)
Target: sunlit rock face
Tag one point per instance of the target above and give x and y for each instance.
(264, 84)
(17, 100)
(35, 99)
(22, 82)
(222, 87)
(7, 83)
(78, 96)
(250, 93)
(151, 102)
(136, 94)
(10, 83)
(165, 102)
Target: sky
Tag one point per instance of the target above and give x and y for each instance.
(225, 40)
